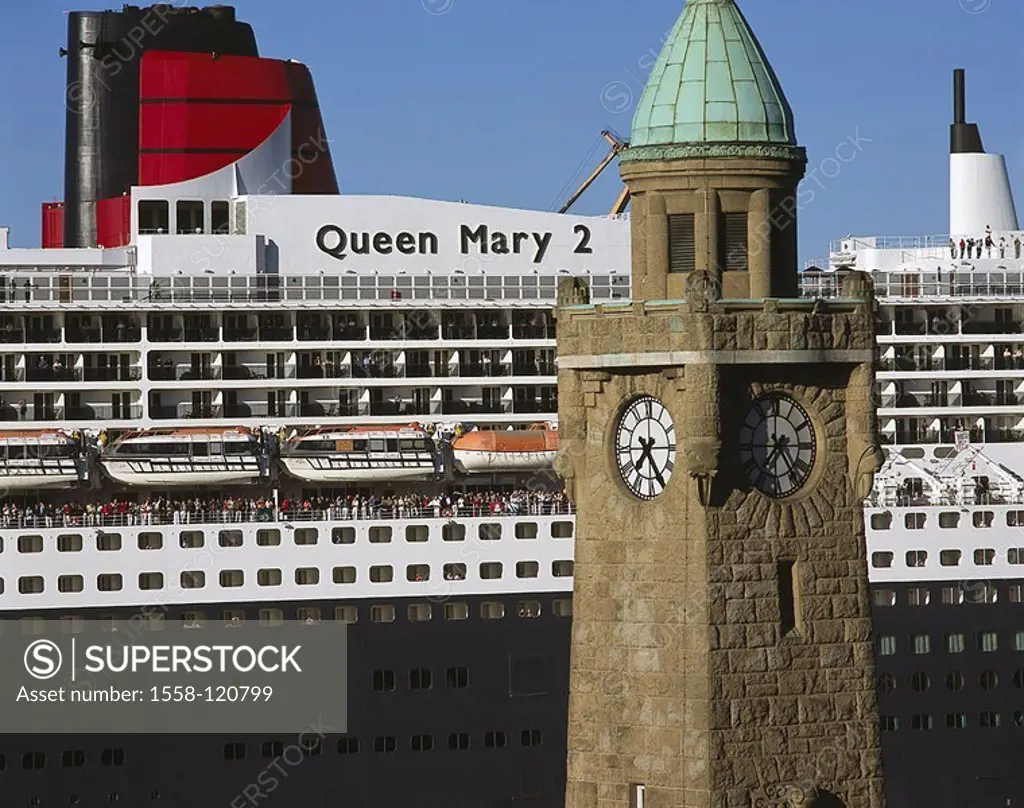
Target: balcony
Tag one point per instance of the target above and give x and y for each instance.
(43, 335)
(533, 332)
(10, 335)
(206, 333)
(276, 334)
(483, 370)
(51, 376)
(165, 335)
(971, 326)
(103, 412)
(240, 335)
(322, 333)
(83, 334)
(534, 369)
(111, 374)
(122, 333)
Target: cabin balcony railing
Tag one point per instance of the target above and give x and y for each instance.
(324, 372)
(29, 412)
(206, 333)
(189, 373)
(348, 333)
(12, 375)
(165, 335)
(989, 327)
(11, 335)
(189, 410)
(43, 335)
(453, 331)
(311, 333)
(273, 334)
(483, 369)
(533, 332)
(534, 369)
(103, 412)
(72, 334)
(122, 333)
(239, 334)
(50, 376)
(111, 374)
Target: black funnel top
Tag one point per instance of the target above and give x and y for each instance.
(964, 138)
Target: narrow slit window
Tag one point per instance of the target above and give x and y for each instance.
(789, 598)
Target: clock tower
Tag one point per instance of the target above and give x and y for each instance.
(718, 440)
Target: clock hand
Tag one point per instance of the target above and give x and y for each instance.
(645, 452)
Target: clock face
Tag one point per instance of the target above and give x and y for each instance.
(777, 445)
(645, 447)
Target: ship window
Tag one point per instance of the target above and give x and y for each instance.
(881, 521)
(417, 572)
(70, 583)
(562, 607)
(956, 720)
(453, 532)
(108, 542)
(383, 681)
(949, 519)
(1015, 518)
(955, 643)
(914, 521)
(233, 617)
(307, 576)
(528, 608)
(527, 569)
(69, 543)
(417, 533)
(562, 569)
(949, 558)
(421, 679)
(230, 538)
(983, 518)
(151, 580)
(382, 614)
(530, 737)
(490, 570)
(921, 643)
(380, 534)
(269, 537)
(377, 444)
(1015, 593)
(526, 530)
(193, 619)
(495, 740)
(885, 646)
(190, 217)
(154, 217)
(955, 682)
(109, 582)
(458, 741)
(456, 611)
(348, 746)
(457, 678)
(72, 624)
(343, 535)
(988, 641)
(982, 592)
(150, 541)
(952, 596)
(884, 597)
(33, 761)
(193, 579)
(219, 217)
(269, 577)
(1015, 555)
(921, 721)
(419, 612)
(682, 243)
(385, 743)
(234, 751)
(886, 684)
(346, 614)
(112, 757)
(989, 719)
(72, 759)
(191, 539)
(270, 617)
(344, 575)
(1018, 641)
(561, 530)
(306, 536)
(490, 531)
(916, 558)
(920, 682)
(1018, 719)
(881, 560)
(492, 610)
(421, 743)
(988, 680)
(382, 574)
(455, 572)
(231, 578)
(32, 625)
(918, 596)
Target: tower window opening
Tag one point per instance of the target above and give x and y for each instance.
(682, 243)
(733, 246)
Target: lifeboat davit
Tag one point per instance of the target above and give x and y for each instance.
(44, 458)
(184, 457)
(361, 453)
(488, 451)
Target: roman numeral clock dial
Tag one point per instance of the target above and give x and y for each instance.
(777, 446)
(645, 447)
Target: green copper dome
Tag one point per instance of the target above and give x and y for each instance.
(712, 85)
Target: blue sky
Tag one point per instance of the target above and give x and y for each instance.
(498, 102)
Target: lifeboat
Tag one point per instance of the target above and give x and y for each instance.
(184, 457)
(493, 451)
(46, 458)
(356, 454)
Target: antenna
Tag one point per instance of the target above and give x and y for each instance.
(959, 96)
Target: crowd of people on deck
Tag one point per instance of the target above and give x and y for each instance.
(161, 510)
(971, 247)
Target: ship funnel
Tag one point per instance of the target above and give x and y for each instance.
(979, 184)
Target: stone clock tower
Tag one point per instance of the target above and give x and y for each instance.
(718, 439)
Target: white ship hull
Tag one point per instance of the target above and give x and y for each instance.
(316, 471)
(475, 462)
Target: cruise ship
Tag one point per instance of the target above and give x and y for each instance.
(230, 392)
(944, 520)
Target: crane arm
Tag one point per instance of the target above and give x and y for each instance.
(618, 146)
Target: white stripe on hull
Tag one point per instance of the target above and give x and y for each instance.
(304, 470)
(474, 462)
(123, 474)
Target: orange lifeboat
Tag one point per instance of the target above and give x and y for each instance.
(492, 451)
(42, 458)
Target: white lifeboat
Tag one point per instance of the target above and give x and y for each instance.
(492, 451)
(46, 458)
(361, 453)
(184, 457)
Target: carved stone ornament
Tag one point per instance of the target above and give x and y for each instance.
(689, 151)
(702, 289)
(701, 458)
(566, 469)
(785, 795)
(865, 461)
